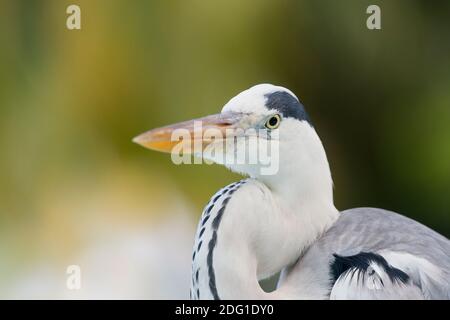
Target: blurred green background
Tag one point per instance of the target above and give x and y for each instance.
(75, 190)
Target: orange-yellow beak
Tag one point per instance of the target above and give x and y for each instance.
(166, 138)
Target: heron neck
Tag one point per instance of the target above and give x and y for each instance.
(260, 234)
(268, 223)
(304, 175)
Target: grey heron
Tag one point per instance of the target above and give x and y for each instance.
(288, 222)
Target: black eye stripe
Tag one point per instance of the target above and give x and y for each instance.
(287, 105)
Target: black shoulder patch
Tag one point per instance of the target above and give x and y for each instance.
(287, 105)
(361, 262)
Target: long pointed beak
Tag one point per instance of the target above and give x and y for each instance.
(164, 139)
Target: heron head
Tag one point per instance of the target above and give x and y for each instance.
(258, 131)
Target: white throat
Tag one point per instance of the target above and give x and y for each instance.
(265, 225)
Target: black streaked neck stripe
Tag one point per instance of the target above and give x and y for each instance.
(213, 242)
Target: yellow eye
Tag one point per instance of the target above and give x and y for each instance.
(273, 122)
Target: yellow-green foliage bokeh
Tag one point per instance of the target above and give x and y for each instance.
(71, 101)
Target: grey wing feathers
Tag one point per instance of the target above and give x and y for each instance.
(377, 254)
(403, 246)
